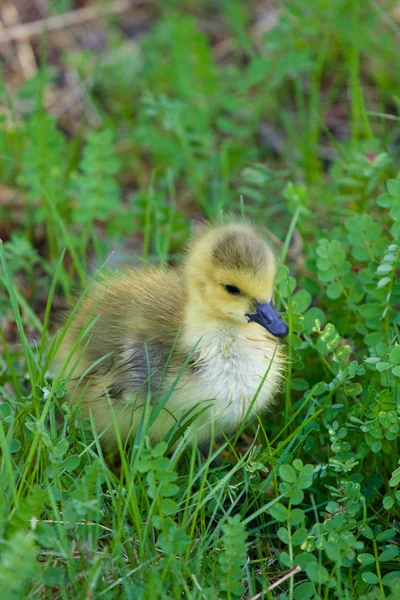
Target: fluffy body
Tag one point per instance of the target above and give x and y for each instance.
(142, 326)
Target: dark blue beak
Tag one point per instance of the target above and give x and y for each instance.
(268, 317)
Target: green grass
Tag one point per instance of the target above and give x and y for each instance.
(297, 129)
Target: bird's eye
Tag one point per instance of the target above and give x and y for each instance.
(232, 289)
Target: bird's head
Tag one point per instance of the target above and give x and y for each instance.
(230, 272)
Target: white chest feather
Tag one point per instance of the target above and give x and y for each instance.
(230, 373)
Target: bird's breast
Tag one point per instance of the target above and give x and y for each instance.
(233, 369)
(230, 371)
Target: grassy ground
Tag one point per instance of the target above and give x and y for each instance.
(114, 134)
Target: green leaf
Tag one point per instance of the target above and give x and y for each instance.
(383, 366)
(161, 463)
(385, 201)
(285, 560)
(311, 316)
(304, 591)
(305, 480)
(168, 506)
(391, 577)
(304, 558)
(303, 300)
(299, 536)
(395, 479)
(372, 310)
(14, 446)
(386, 535)
(300, 384)
(384, 268)
(71, 463)
(60, 449)
(367, 532)
(169, 489)
(173, 540)
(43, 157)
(376, 446)
(317, 573)
(334, 290)
(388, 502)
(354, 389)
(370, 578)
(297, 497)
(159, 450)
(298, 464)
(288, 474)
(394, 355)
(53, 576)
(392, 187)
(366, 559)
(95, 188)
(332, 550)
(383, 282)
(296, 516)
(5, 410)
(323, 249)
(389, 554)
(283, 535)
(338, 520)
(279, 512)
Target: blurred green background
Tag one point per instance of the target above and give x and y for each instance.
(121, 124)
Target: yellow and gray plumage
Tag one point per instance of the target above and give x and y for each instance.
(215, 312)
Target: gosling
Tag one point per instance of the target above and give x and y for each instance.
(205, 330)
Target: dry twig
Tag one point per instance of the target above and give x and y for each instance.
(25, 55)
(290, 573)
(70, 19)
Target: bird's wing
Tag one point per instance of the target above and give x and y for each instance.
(125, 327)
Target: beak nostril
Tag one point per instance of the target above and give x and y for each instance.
(267, 316)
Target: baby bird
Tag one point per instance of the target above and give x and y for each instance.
(202, 333)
